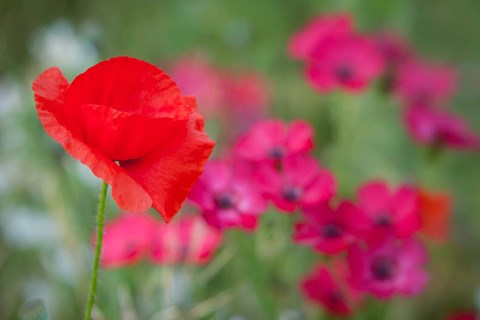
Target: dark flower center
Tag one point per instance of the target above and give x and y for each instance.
(383, 268)
(344, 72)
(383, 220)
(335, 297)
(291, 194)
(224, 201)
(331, 231)
(276, 153)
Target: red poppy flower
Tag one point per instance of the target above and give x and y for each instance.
(435, 210)
(127, 120)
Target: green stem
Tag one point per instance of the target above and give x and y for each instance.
(98, 250)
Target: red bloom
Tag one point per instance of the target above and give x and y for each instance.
(437, 127)
(300, 182)
(320, 286)
(330, 230)
(127, 239)
(390, 213)
(271, 140)
(435, 210)
(350, 62)
(186, 240)
(393, 267)
(128, 122)
(303, 43)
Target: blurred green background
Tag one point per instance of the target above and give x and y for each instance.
(47, 200)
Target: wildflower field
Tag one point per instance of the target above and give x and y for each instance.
(238, 160)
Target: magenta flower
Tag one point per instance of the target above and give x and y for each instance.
(321, 287)
(300, 182)
(393, 267)
(330, 230)
(390, 213)
(463, 315)
(227, 196)
(349, 62)
(127, 239)
(421, 83)
(394, 48)
(186, 240)
(197, 77)
(437, 127)
(304, 42)
(271, 140)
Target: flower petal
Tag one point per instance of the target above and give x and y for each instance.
(49, 91)
(168, 174)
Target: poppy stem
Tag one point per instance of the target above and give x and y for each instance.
(98, 250)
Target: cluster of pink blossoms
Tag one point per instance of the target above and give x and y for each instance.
(423, 88)
(242, 96)
(375, 235)
(336, 56)
(131, 237)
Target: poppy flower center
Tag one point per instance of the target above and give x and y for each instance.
(331, 231)
(383, 268)
(344, 72)
(383, 220)
(224, 201)
(291, 194)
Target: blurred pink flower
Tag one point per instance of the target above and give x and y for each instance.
(227, 196)
(300, 182)
(303, 43)
(394, 48)
(246, 93)
(464, 315)
(394, 267)
(321, 287)
(421, 83)
(394, 214)
(197, 77)
(330, 230)
(127, 239)
(437, 127)
(271, 140)
(186, 240)
(348, 62)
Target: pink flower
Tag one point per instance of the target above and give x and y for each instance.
(421, 83)
(246, 93)
(394, 48)
(321, 287)
(393, 267)
(186, 240)
(303, 43)
(271, 140)
(434, 126)
(127, 239)
(227, 197)
(391, 213)
(349, 62)
(197, 77)
(330, 230)
(300, 182)
(464, 315)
